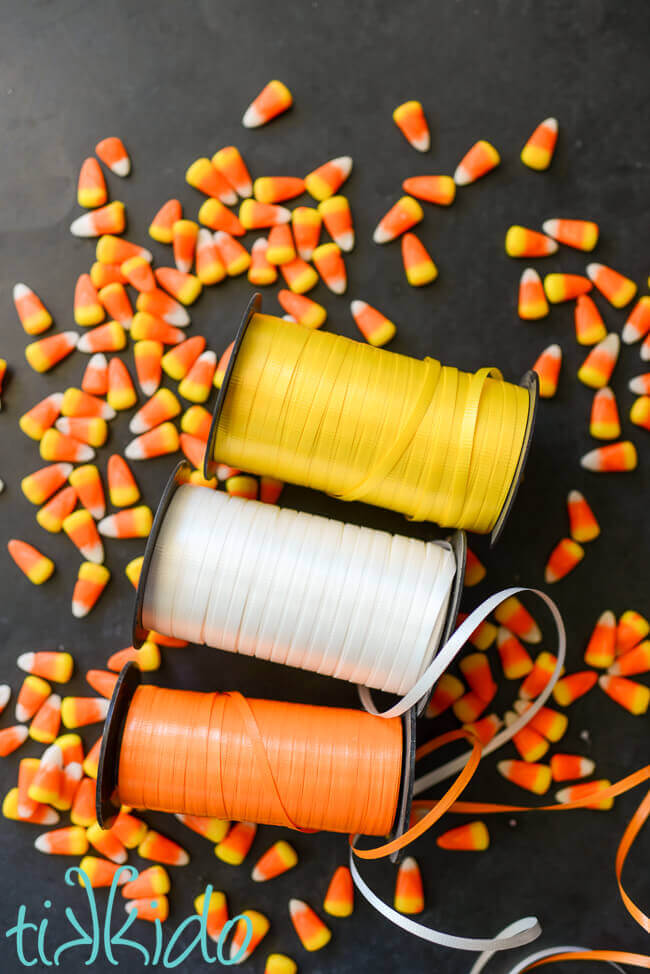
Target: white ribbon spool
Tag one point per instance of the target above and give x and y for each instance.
(294, 588)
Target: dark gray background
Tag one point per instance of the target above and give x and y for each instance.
(173, 79)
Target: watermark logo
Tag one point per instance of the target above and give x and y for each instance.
(95, 937)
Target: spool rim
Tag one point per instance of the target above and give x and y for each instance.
(109, 755)
(178, 476)
(529, 381)
(253, 307)
(407, 780)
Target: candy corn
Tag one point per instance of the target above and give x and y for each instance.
(550, 723)
(42, 814)
(184, 287)
(640, 412)
(45, 725)
(56, 666)
(230, 163)
(5, 695)
(91, 581)
(409, 895)
(91, 431)
(88, 309)
(178, 361)
(470, 707)
(33, 694)
(196, 385)
(277, 860)
(113, 154)
(193, 449)
(633, 661)
(100, 872)
(27, 770)
(582, 521)
(222, 368)
(232, 254)
(480, 159)
(597, 368)
(615, 458)
(339, 899)
(91, 761)
(538, 677)
(604, 423)
(539, 149)
(205, 177)
(418, 265)
(300, 276)
(34, 316)
(146, 327)
(328, 178)
(311, 930)
(160, 304)
(102, 682)
(71, 748)
(106, 843)
(631, 629)
(196, 421)
(160, 849)
(122, 488)
(400, 218)
(618, 290)
(472, 837)
(36, 566)
(280, 248)
(330, 266)
(47, 779)
(635, 697)
(235, 847)
(532, 303)
(153, 881)
(303, 309)
(214, 829)
(134, 522)
(115, 250)
(107, 219)
(637, 325)
(163, 405)
(570, 688)
(277, 189)
(601, 649)
(548, 367)
(447, 691)
(103, 274)
(475, 570)
(81, 711)
(590, 327)
(565, 287)
(11, 738)
(242, 485)
(210, 268)
(217, 912)
(529, 775)
(562, 560)
(530, 744)
(337, 218)
(147, 909)
(138, 271)
(280, 964)
(41, 417)
(133, 570)
(115, 299)
(80, 528)
(412, 123)
(56, 446)
(44, 354)
(184, 234)
(581, 234)
(576, 792)
(156, 443)
(568, 767)
(95, 377)
(70, 841)
(91, 185)
(121, 393)
(515, 660)
(476, 670)
(306, 224)
(110, 337)
(39, 486)
(431, 189)
(261, 272)
(148, 355)
(160, 228)
(521, 242)
(75, 402)
(274, 99)
(485, 728)
(640, 385)
(258, 925)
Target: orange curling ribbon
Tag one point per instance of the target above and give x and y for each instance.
(610, 956)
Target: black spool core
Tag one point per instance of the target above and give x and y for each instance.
(109, 756)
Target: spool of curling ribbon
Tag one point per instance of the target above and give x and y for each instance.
(304, 591)
(361, 423)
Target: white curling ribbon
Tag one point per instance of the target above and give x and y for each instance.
(521, 931)
(299, 589)
(483, 959)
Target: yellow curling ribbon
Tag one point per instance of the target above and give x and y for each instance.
(361, 423)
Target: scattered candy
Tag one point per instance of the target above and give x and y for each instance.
(604, 423)
(91, 581)
(550, 723)
(109, 219)
(530, 744)
(232, 254)
(418, 265)
(184, 287)
(197, 384)
(113, 154)
(570, 688)
(548, 367)
(633, 661)
(156, 443)
(36, 566)
(515, 660)
(121, 392)
(311, 930)
(134, 522)
(538, 677)
(580, 234)
(601, 649)
(153, 881)
(400, 218)
(41, 816)
(565, 287)
(590, 327)
(337, 218)
(42, 416)
(597, 368)
(472, 837)
(280, 248)
(214, 829)
(409, 895)
(178, 361)
(446, 692)
(230, 163)
(618, 290)
(412, 123)
(274, 99)
(160, 228)
(633, 696)
(640, 412)
(205, 177)
(34, 316)
(115, 250)
(576, 792)
(81, 711)
(47, 720)
(261, 272)
(160, 849)
(39, 486)
(160, 304)
(300, 276)
(562, 560)
(528, 775)
(100, 872)
(11, 738)
(217, 915)
(614, 458)
(477, 162)
(209, 266)
(637, 325)
(91, 185)
(532, 303)
(80, 528)
(339, 899)
(521, 242)
(476, 670)
(147, 909)
(568, 767)
(70, 841)
(277, 860)
(44, 354)
(133, 570)
(538, 151)
(236, 845)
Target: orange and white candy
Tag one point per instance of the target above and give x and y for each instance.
(147, 327)
(216, 216)
(116, 300)
(184, 234)
(42, 416)
(80, 528)
(432, 189)
(409, 895)
(573, 686)
(618, 457)
(311, 930)
(52, 515)
(280, 247)
(601, 648)
(548, 367)
(640, 384)
(197, 384)
(580, 234)
(604, 423)
(115, 250)
(301, 276)
(95, 377)
(160, 228)
(139, 274)
(258, 216)
(156, 443)
(631, 629)
(590, 327)
(471, 837)
(34, 316)
(477, 162)
(562, 560)
(306, 224)
(637, 325)
(597, 368)
(32, 563)
(55, 446)
(412, 123)
(76, 402)
(400, 218)
(633, 661)
(107, 219)
(87, 483)
(229, 162)
(532, 304)
(277, 189)
(162, 305)
(583, 525)
(121, 392)
(375, 327)
(618, 290)
(163, 405)
(184, 287)
(515, 660)
(328, 178)
(122, 487)
(91, 185)
(418, 265)
(234, 255)
(522, 242)
(565, 287)
(205, 177)
(640, 412)
(539, 149)
(113, 154)
(274, 99)
(337, 218)
(330, 265)
(82, 711)
(568, 767)
(516, 617)
(91, 581)
(41, 485)
(103, 274)
(302, 309)
(133, 522)
(87, 429)
(161, 849)
(629, 694)
(261, 271)
(148, 355)
(528, 775)
(177, 362)
(110, 337)
(45, 353)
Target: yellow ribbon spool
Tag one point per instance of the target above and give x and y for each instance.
(361, 423)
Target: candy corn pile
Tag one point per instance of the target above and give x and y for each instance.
(123, 296)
